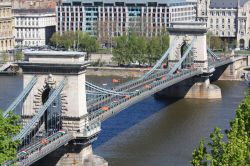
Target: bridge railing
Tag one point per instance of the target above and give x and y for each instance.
(35, 147)
(46, 149)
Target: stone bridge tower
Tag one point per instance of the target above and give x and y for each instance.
(183, 35)
(51, 67)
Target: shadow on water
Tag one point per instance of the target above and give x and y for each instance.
(137, 113)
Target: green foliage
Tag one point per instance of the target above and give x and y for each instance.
(209, 35)
(134, 48)
(5, 57)
(233, 152)
(154, 50)
(8, 128)
(199, 155)
(75, 40)
(19, 56)
(56, 39)
(215, 43)
(87, 43)
(121, 53)
(165, 42)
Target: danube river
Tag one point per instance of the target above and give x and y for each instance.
(154, 132)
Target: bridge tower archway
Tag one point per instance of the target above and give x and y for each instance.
(242, 43)
(45, 96)
(189, 60)
(182, 35)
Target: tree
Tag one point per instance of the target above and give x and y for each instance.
(154, 50)
(121, 52)
(19, 56)
(225, 45)
(87, 43)
(215, 42)
(68, 39)
(199, 155)
(217, 147)
(132, 46)
(5, 57)
(165, 42)
(56, 39)
(208, 36)
(141, 50)
(8, 128)
(236, 149)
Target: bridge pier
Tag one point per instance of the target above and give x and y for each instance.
(73, 154)
(195, 88)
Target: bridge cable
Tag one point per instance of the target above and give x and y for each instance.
(20, 97)
(177, 65)
(159, 62)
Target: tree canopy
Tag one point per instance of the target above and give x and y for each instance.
(8, 128)
(134, 48)
(235, 150)
(75, 41)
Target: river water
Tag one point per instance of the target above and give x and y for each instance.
(154, 132)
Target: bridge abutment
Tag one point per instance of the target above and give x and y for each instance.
(232, 71)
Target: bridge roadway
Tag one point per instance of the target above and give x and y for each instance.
(129, 87)
(142, 93)
(37, 150)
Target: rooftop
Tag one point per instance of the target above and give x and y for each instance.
(121, 2)
(55, 53)
(33, 11)
(54, 57)
(226, 3)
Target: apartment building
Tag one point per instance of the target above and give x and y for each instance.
(228, 19)
(6, 26)
(34, 27)
(109, 18)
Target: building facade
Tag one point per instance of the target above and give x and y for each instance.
(6, 26)
(118, 17)
(34, 27)
(228, 19)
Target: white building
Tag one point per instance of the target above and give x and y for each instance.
(34, 27)
(227, 19)
(119, 17)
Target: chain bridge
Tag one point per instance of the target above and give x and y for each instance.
(58, 107)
